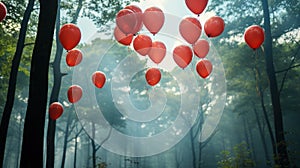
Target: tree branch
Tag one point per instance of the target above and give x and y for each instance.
(287, 69)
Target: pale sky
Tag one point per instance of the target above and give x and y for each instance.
(174, 10)
(170, 7)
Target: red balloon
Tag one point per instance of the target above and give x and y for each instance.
(69, 36)
(142, 44)
(157, 52)
(214, 26)
(98, 79)
(73, 57)
(182, 55)
(122, 38)
(3, 11)
(190, 29)
(153, 76)
(126, 21)
(254, 36)
(201, 48)
(139, 15)
(55, 110)
(196, 6)
(74, 93)
(204, 68)
(153, 19)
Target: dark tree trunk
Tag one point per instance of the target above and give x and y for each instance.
(33, 136)
(66, 141)
(275, 97)
(13, 80)
(266, 117)
(56, 86)
(54, 94)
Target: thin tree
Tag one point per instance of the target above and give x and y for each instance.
(13, 80)
(275, 95)
(33, 136)
(57, 85)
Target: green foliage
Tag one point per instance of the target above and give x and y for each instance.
(100, 12)
(12, 23)
(241, 157)
(240, 14)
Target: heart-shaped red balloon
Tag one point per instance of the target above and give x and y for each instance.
(73, 57)
(196, 6)
(201, 48)
(139, 15)
(153, 76)
(122, 38)
(254, 36)
(3, 11)
(74, 93)
(153, 19)
(157, 52)
(55, 110)
(69, 36)
(214, 26)
(190, 29)
(142, 44)
(99, 79)
(182, 55)
(204, 68)
(126, 20)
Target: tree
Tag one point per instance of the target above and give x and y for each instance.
(275, 96)
(107, 13)
(280, 9)
(13, 79)
(33, 136)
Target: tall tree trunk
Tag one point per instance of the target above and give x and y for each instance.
(266, 117)
(65, 141)
(13, 80)
(54, 94)
(33, 136)
(263, 140)
(275, 97)
(56, 86)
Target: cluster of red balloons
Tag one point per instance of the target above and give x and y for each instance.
(129, 21)
(254, 36)
(183, 55)
(3, 11)
(190, 29)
